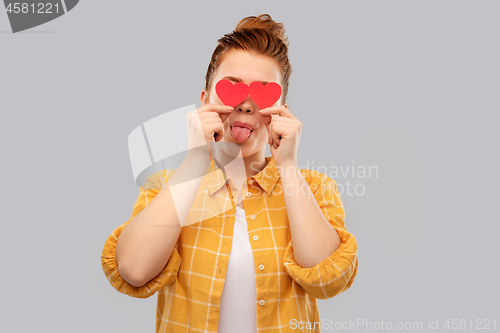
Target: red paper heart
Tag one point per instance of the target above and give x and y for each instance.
(231, 94)
(264, 95)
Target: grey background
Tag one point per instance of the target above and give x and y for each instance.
(408, 86)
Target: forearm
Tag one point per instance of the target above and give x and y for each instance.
(148, 240)
(314, 239)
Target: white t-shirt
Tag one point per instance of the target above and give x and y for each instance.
(239, 295)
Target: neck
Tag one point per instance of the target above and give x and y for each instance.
(232, 166)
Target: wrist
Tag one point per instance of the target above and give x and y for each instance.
(288, 169)
(199, 154)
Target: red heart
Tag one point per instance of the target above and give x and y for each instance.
(264, 95)
(230, 94)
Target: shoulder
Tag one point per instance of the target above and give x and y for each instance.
(158, 179)
(316, 179)
(315, 176)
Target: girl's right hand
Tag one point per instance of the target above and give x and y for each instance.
(205, 125)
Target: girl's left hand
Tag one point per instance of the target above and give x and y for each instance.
(284, 134)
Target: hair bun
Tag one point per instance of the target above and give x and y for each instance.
(259, 35)
(265, 22)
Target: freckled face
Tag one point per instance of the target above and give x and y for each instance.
(247, 67)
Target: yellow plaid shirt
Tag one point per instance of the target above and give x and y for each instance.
(190, 285)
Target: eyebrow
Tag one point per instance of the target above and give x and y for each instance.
(237, 79)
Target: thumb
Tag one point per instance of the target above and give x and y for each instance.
(223, 116)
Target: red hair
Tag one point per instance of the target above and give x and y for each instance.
(259, 34)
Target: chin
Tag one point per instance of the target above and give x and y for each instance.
(230, 148)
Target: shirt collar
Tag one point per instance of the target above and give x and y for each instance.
(267, 178)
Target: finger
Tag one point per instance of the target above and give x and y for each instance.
(215, 107)
(276, 143)
(276, 125)
(283, 125)
(277, 110)
(220, 109)
(210, 117)
(280, 132)
(224, 115)
(224, 111)
(275, 134)
(218, 132)
(282, 121)
(268, 128)
(212, 120)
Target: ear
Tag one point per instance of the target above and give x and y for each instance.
(203, 97)
(286, 105)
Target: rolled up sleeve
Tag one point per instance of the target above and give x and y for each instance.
(336, 273)
(108, 257)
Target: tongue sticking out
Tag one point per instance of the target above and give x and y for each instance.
(240, 134)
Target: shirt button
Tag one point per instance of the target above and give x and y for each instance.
(261, 267)
(250, 181)
(249, 194)
(255, 237)
(262, 302)
(252, 217)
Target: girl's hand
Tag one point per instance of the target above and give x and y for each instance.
(284, 134)
(205, 126)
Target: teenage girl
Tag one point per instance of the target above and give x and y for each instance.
(238, 271)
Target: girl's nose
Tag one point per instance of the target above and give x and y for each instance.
(245, 107)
